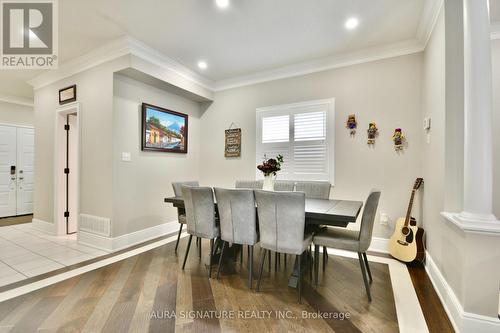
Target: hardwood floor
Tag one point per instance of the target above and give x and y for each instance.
(434, 313)
(6, 221)
(142, 293)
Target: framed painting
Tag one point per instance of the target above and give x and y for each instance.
(164, 130)
(67, 95)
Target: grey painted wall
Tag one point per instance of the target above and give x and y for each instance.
(140, 185)
(16, 114)
(387, 92)
(95, 95)
(444, 242)
(496, 123)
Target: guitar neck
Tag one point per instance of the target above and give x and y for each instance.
(410, 206)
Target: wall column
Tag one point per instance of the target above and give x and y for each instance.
(478, 151)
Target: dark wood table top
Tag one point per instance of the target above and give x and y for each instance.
(337, 213)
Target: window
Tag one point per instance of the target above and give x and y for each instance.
(303, 134)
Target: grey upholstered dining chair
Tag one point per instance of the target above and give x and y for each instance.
(200, 217)
(284, 185)
(314, 190)
(282, 226)
(238, 222)
(352, 240)
(249, 184)
(181, 214)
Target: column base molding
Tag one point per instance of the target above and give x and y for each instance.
(474, 223)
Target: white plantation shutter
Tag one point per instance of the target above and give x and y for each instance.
(275, 129)
(301, 133)
(310, 126)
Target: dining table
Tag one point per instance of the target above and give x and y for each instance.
(318, 212)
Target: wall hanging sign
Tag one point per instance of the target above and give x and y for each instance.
(67, 95)
(164, 130)
(372, 133)
(399, 139)
(233, 142)
(351, 124)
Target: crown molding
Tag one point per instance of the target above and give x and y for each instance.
(154, 56)
(323, 64)
(495, 31)
(428, 20)
(120, 47)
(98, 56)
(16, 100)
(130, 46)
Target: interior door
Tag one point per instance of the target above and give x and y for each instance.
(7, 173)
(25, 170)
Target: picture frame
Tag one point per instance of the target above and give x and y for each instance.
(67, 95)
(232, 147)
(164, 130)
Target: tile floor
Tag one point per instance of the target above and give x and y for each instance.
(26, 252)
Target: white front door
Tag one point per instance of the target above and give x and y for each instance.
(8, 173)
(25, 170)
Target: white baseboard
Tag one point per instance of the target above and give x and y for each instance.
(112, 244)
(380, 245)
(461, 320)
(43, 226)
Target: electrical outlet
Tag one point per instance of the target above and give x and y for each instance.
(126, 157)
(427, 123)
(384, 219)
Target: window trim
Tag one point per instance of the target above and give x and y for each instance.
(330, 129)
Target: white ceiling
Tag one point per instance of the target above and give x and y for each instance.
(249, 36)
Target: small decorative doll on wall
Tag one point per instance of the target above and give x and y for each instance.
(399, 139)
(372, 133)
(351, 124)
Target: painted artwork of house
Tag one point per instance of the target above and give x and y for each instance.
(164, 130)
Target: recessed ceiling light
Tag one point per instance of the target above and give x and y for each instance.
(351, 23)
(202, 65)
(222, 3)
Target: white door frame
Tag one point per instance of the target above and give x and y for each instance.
(59, 184)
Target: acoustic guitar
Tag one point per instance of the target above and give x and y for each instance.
(406, 244)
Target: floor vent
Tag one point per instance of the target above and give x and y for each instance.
(95, 225)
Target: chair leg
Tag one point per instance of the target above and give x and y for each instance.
(270, 256)
(187, 251)
(367, 267)
(220, 259)
(248, 256)
(325, 257)
(250, 271)
(316, 264)
(211, 257)
(262, 261)
(241, 256)
(284, 260)
(199, 248)
(365, 279)
(299, 258)
(310, 264)
(178, 238)
(275, 261)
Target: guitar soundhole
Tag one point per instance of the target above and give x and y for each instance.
(405, 231)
